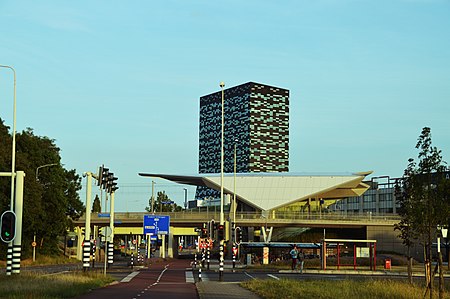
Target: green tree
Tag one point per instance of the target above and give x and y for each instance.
(425, 199)
(51, 201)
(96, 207)
(162, 204)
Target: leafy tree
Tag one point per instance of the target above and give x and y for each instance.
(51, 201)
(161, 204)
(96, 206)
(425, 199)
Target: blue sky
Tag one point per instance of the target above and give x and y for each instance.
(118, 82)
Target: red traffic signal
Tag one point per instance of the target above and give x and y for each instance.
(220, 232)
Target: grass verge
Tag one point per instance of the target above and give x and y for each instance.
(347, 289)
(28, 285)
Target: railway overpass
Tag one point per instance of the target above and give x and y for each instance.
(185, 223)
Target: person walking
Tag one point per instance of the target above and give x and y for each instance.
(294, 254)
(301, 260)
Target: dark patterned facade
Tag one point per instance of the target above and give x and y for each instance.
(256, 120)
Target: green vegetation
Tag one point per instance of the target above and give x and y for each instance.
(28, 285)
(160, 204)
(347, 289)
(51, 197)
(424, 197)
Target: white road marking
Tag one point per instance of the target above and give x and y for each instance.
(130, 277)
(189, 277)
(273, 276)
(249, 275)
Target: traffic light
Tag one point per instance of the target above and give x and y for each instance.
(212, 228)
(238, 235)
(8, 226)
(220, 232)
(106, 180)
(103, 174)
(111, 185)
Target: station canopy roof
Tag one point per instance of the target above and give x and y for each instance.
(268, 191)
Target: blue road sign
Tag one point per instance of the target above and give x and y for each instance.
(156, 225)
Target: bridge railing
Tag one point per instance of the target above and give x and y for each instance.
(317, 216)
(246, 216)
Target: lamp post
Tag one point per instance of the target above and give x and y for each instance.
(222, 85)
(13, 158)
(234, 187)
(441, 232)
(13, 169)
(39, 167)
(233, 233)
(185, 198)
(153, 198)
(37, 180)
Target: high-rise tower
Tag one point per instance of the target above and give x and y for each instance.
(256, 120)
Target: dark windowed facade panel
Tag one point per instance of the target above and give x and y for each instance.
(256, 118)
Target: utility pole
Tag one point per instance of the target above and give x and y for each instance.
(153, 197)
(222, 85)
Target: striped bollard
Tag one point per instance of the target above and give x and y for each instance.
(9, 259)
(86, 255)
(132, 260)
(234, 256)
(203, 257)
(93, 256)
(110, 253)
(199, 273)
(221, 262)
(195, 260)
(16, 258)
(208, 256)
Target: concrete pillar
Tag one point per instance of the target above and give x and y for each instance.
(170, 243)
(18, 209)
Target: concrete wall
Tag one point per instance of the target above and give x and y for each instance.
(387, 239)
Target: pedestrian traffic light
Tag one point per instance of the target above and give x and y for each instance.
(8, 226)
(220, 232)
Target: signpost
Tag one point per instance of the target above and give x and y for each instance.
(155, 225)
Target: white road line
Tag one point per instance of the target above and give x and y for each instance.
(249, 275)
(56, 273)
(189, 277)
(273, 276)
(162, 273)
(130, 277)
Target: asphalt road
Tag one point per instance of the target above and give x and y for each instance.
(162, 280)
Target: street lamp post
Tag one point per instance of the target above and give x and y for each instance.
(441, 232)
(153, 198)
(37, 180)
(39, 167)
(233, 233)
(222, 85)
(13, 158)
(13, 168)
(234, 187)
(185, 198)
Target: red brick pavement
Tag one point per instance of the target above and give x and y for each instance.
(162, 280)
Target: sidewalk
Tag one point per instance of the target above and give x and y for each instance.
(223, 290)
